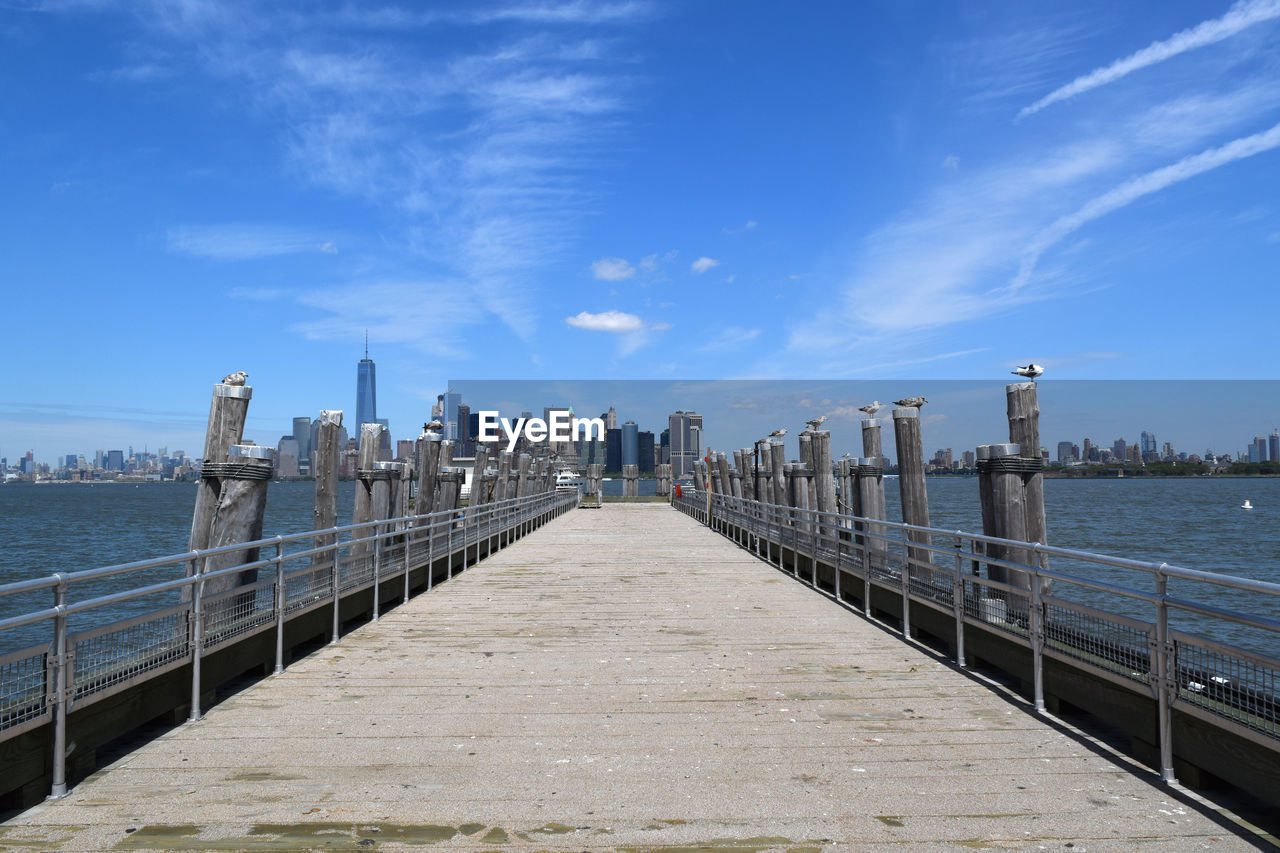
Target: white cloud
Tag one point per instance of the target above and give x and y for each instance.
(617, 322)
(951, 161)
(613, 269)
(703, 264)
(243, 242)
(1241, 16)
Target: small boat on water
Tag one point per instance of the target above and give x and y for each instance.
(567, 478)
(1246, 504)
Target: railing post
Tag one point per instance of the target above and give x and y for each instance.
(448, 545)
(1164, 678)
(813, 546)
(280, 602)
(904, 577)
(197, 634)
(62, 687)
(1037, 633)
(464, 537)
(408, 549)
(337, 598)
(958, 599)
(377, 566)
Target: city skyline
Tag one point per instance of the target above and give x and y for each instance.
(960, 414)
(622, 190)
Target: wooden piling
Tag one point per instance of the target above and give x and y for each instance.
(370, 436)
(1024, 430)
(502, 483)
(871, 442)
(778, 464)
(870, 489)
(824, 481)
(631, 481)
(911, 485)
(479, 488)
(523, 475)
(324, 465)
(227, 411)
(242, 502)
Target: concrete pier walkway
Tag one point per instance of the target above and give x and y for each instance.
(620, 679)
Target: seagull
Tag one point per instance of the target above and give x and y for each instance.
(236, 378)
(911, 402)
(778, 433)
(1031, 371)
(846, 456)
(871, 408)
(816, 422)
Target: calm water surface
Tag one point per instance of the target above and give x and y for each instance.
(1195, 523)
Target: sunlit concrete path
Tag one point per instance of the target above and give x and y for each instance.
(621, 678)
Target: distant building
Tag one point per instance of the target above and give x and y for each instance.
(685, 430)
(1087, 451)
(1120, 449)
(1064, 452)
(630, 443)
(404, 449)
(287, 457)
(610, 419)
(366, 392)
(115, 460)
(1260, 443)
(451, 401)
(647, 458)
(613, 450)
(1273, 446)
(302, 434)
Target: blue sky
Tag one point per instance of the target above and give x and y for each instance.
(621, 190)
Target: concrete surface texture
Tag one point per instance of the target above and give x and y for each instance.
(620, 679)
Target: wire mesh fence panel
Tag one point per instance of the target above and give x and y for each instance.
(24, 686)
(1231, 683)
(238, 612)
(1102, 640)
(120, 653)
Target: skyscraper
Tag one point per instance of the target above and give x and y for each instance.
(449, 414)
(366, 391)
(630, 443)
(686, 441)
(1273, 446)
(302, 433)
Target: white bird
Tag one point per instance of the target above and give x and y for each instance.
(871, 408)
(816, 422)
(237, 378)
(1031, 371)
(846, 456)
(778, 433)
(911, 402)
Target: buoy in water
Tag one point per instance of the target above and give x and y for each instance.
(1246, 504)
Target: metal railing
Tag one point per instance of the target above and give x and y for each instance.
(1133, 641)
(293, 575)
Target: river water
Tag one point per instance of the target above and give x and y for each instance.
(1191, 522)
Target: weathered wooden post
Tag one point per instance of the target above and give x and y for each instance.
(370, 436)
(385, 479)
(447, 448)
(523, 475)
(1008, 496)
(987, 503)
(428, 466)
(631, 481)
(911, 485)
(848, 501)
(502, 483)
(871, 443)
(662, 485)
(450, 487)
(870, 490)
(479, 490)
(227, 411)
(800, 486)
(400, 500)
(778, 464)
(242, 501)
(1024, 430)
(595, 481)
(324, 465)
(721, 461)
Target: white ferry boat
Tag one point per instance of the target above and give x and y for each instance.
(569, 479)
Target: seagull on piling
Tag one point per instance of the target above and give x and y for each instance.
(816, 422)
(871, 408)
(1031, 371)
(778, 433)
(237, 378)
(911, 402)
(846, 456)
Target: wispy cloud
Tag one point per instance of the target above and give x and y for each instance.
(430, 316)
(1143, 185)
(244, 242)
(703, 264)
(613, 269)
(607, 321)
(729, 339)
(1241, 16)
